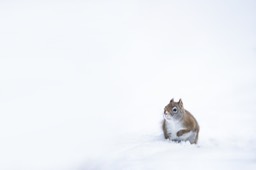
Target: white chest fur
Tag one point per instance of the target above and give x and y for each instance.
(173, 126)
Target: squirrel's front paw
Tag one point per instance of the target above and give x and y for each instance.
(180, 133)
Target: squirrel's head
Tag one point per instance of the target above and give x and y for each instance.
(174, 110)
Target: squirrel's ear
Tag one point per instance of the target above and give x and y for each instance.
(172, 100)
(180, 103)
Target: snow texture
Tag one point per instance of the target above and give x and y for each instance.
(83, 84)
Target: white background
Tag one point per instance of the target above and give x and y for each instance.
(83, 83)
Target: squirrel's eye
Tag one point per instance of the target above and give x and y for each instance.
(174, 109)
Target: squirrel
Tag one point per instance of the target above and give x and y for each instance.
(179, 124)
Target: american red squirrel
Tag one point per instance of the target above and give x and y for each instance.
(179, 124)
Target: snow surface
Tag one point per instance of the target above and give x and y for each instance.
(83, 84)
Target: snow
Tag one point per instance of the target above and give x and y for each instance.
(83, 84)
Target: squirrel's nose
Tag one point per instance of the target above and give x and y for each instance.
(166, 112)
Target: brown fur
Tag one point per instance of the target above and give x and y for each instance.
(166, 136)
